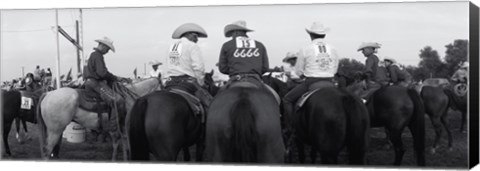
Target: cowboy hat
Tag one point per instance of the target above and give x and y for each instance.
(237, 25)
(189, 27)
(155, 62)
(465, 65)
(106, 41)
(369, 44)
(390, 59)
(318, 29)
(290, 55)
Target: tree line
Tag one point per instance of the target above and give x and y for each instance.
(430, 65)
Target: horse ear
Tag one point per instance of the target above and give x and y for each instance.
(270, 75)
(211, 72)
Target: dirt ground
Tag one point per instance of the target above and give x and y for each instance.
(378, 155)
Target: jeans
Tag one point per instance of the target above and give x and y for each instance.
(112, 98)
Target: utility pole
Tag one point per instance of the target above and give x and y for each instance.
(79, 67)
(144, 69)
(23, 72)
(58, 49)
(80, 40)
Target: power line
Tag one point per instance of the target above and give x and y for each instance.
(33, 30)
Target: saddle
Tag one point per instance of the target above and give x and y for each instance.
(314, 87)
(92, 102)
(192, 101)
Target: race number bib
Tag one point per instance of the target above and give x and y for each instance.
(323, 58)
(175, 53)
(246, 48)
(26, 103)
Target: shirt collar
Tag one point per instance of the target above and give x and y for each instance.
(184, 39)
(318, 40)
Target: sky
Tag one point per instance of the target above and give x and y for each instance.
(141, 35)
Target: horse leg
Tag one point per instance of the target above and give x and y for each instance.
(449, 133)
(329, 159)
(53, 144)
(186, 154)
(301, 151)
(6, 130)
(396, 138)
(313, 154)
(56, 149)
(199, 153)
(438, 132)
(464, 120)
(18, 133)
(116, 138)
(387, 138)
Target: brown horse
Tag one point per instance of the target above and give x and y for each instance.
(436, 103)
(394, 108)
(243, 125)
(330, 120)
(162, 123)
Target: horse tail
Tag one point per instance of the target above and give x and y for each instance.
(417, 126)
(136, 131)
(244, 138)
(358, 123)
(41, 125)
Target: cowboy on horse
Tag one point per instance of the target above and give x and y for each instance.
(98, 77)
(185, 67)
(369, 49)
(398, 76)
(318, 62)
(290, 61)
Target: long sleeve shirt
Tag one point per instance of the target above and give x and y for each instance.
(371, 65)
(96, 67)
(243, 55)
(318, 60)
(185, 58)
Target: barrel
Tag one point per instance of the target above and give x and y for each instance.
(74, 133)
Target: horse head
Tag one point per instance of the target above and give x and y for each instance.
(209, 83)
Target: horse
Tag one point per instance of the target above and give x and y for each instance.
(243, 125)
(330, 119)
(394, 108)
(436, 103)
(12, 110)
(162, 123)
(458, 103)
(58, 108)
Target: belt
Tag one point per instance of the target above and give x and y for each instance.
(244, 75)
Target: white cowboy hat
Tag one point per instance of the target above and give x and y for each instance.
(189, 27)
(106, 41)
(465, 65)
(369, 44)
(237, 25)
(290, 55)
(390, 59)
(155, 62)
(318, 29)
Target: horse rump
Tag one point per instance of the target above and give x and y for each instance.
(244, 138)
(137, 138)
(41, 126)
(358, 124)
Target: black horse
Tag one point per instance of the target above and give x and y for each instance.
(394, 108)
(12, 111)
(330, 120)
(162, 123)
